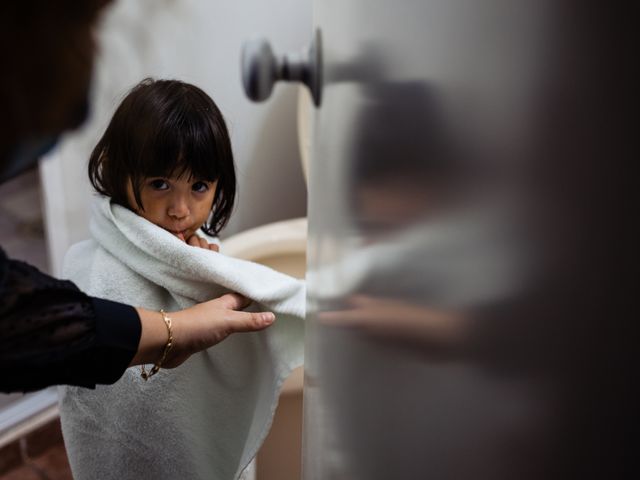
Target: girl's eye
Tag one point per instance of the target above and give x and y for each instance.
(200, 187)
(159, 184)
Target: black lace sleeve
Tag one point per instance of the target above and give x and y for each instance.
(51, 333)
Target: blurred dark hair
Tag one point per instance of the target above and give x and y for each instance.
(166, 128)
(47, 49)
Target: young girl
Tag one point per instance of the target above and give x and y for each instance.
(165, 170)
(168, 145)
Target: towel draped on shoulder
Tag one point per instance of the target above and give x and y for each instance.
(207, 418)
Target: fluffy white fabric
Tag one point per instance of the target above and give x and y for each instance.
(207, 418)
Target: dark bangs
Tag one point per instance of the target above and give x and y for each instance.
(166, 128)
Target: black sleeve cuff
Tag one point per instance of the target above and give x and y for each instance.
(118, 331)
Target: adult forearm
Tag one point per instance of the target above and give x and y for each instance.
(52, 333)
(195, 329)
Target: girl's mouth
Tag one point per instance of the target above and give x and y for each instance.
(179, 233)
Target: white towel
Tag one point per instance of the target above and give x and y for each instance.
(207, 418)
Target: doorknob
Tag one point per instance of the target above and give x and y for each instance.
(261, 69)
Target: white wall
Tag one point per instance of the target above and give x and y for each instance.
(198, 41)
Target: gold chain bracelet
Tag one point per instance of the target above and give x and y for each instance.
(167, 347)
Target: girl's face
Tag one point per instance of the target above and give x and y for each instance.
(180, 205)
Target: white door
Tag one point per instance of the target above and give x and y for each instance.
(453, 315)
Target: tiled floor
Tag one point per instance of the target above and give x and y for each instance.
(51, 465)
(44, 457)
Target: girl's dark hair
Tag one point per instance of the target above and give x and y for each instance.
(164, 128)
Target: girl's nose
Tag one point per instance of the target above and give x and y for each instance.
(178, 208)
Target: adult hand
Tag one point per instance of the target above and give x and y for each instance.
(196, 328)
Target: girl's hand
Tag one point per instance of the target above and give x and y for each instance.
(196, 241)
